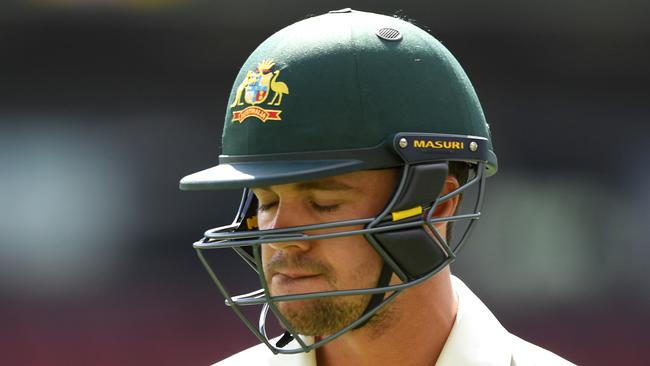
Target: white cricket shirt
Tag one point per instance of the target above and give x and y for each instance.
(476, 338)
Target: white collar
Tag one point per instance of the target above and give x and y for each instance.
(477, 337)
(299, 359)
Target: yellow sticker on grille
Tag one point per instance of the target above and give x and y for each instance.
(405, 214)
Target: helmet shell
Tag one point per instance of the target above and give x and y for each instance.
(348, 88)
(340, 81)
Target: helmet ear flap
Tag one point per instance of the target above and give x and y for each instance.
(414, 250)
(424, 183)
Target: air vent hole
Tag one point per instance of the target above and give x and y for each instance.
(389, 34)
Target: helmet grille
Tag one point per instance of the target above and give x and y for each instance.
(389, 34)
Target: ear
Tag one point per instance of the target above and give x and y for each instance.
(448, 208)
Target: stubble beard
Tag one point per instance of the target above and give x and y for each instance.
(324, 316)
(321, 316)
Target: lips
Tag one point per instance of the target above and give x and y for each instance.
(295, 274)
(290, 280)
(282, 277)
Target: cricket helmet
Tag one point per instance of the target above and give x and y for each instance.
(338, 93)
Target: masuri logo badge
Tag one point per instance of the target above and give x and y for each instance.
(255, 89)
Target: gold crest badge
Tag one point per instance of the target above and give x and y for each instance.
(255, 89)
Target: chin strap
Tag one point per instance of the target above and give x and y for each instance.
(376, 299)
(284, 340)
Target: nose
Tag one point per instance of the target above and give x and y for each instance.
(295, 245)
(286, 216)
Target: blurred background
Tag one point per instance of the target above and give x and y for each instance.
(106, 104)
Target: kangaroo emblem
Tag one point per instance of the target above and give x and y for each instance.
(256, 84)
(254, 90)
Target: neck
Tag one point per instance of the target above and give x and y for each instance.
(410, 331)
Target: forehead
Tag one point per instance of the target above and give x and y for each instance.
(351, 182)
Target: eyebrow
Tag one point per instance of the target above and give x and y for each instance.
(324, 185)
(319, 185)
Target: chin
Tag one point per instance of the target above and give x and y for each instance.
(318, 317)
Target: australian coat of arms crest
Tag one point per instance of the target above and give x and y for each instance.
(254, 90)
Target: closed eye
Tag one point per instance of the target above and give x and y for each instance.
(266, 207)
(320, 208)
(327, 208)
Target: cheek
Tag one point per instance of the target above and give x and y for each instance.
(356, 263)
(266, 253)
(264, 220)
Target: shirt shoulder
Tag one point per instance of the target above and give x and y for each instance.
(478, 339)
(525, 353)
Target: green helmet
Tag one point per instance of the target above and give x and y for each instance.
(343, 92)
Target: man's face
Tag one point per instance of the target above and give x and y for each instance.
(323, 265)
